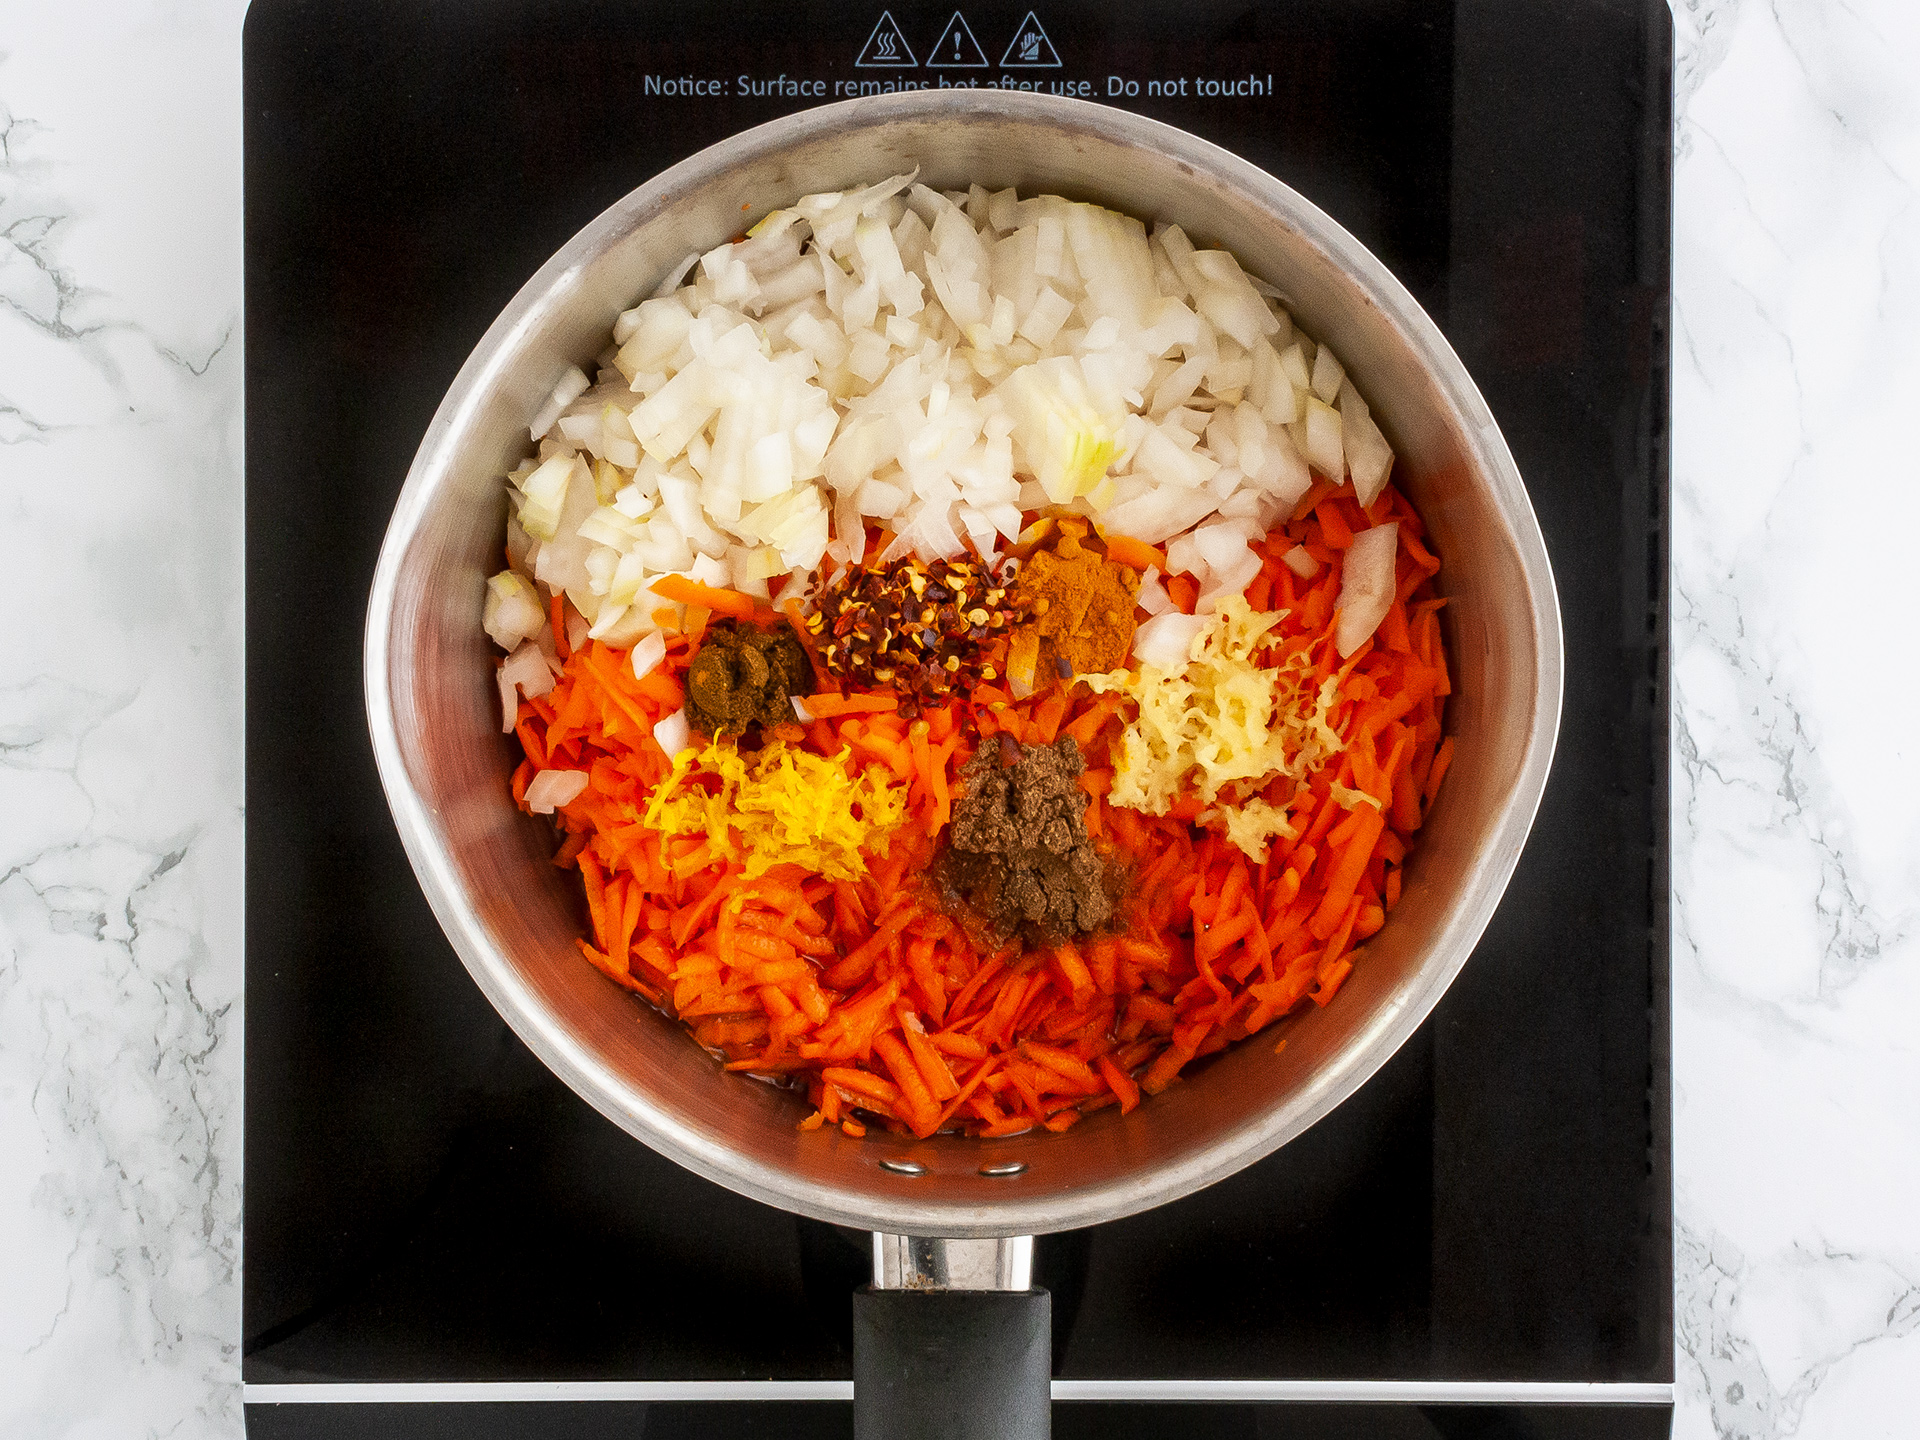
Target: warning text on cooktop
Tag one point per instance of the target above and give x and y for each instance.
(898, 55)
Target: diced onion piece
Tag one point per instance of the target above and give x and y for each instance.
(550, 789)
(1269, 389)
(1184, 557)
(1153, 597)
(1160, 514)
(647, 654)
(1228, 299)
(513, 612)
(1293, 365)
(658, 331)
(1284, 475)
(562, 561)
(1300, 562)
(509, 702)
(527, 668)
(732, 282)
(572, 386)
(1231, 563)
(1328, 372)
(709, 570)
(577, 627)
(1048, 313)
(749, 564)
(524, 672)
(581, 431)
(1163, 458)
(1366, 585)
(1369, 457)
(545, 492)
(1163, 642)
(1065, 438)
(1323, 439)
(1220, 544)
(800, 710)
(674, 733)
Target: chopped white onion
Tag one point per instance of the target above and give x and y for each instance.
(1300, 562)
(1323, 439)
(525, 672)
(1164, 641)
(1153, 597)
(1327, 375)
(513, 611)
(509, 702)
(571, 387)
(935, 363)
(1366, 585)
(544, 495)
(647, 654)
(674, 733)
(550, 789)
(1369, 457)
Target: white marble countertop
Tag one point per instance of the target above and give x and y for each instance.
(1796, 882)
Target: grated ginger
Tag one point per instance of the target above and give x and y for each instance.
(1222, 721)
(782, 805)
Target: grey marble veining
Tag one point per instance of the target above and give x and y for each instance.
(1796, 1073)
(120, 721)
(1796, 887)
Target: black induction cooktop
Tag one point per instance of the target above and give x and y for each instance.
(426, 1203)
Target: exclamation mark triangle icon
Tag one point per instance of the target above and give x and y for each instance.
(886, 47)
(956, 49)
(1030, 47)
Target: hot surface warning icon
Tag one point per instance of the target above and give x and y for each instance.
(956, 49)
(886, 47)
(1030, 47)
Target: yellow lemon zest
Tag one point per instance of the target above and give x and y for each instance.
(781, 805)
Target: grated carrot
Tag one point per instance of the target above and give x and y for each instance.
(685, 591)
(875, 1005)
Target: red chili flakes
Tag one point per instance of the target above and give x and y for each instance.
(918, 628)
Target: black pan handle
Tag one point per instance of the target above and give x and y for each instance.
(952, 1364)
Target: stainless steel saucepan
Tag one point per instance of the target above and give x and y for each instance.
(952, 1340)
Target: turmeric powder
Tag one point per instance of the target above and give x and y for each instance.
(1082, 608)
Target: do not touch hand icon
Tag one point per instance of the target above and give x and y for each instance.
(1030, 47)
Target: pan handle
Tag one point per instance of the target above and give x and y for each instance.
(952, 1342)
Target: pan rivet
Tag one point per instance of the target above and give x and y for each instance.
(904, 1167)
(1010, 1167)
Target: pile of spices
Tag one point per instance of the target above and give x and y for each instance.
(919, 628)
(1017, 851)
(1081, 604)
(742, 674)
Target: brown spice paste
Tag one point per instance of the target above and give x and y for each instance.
(1017, 852)
(742, 674)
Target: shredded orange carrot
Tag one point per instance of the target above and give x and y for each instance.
(826, 707)
(873, 1004)
(691, 592)
(1125, 550)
